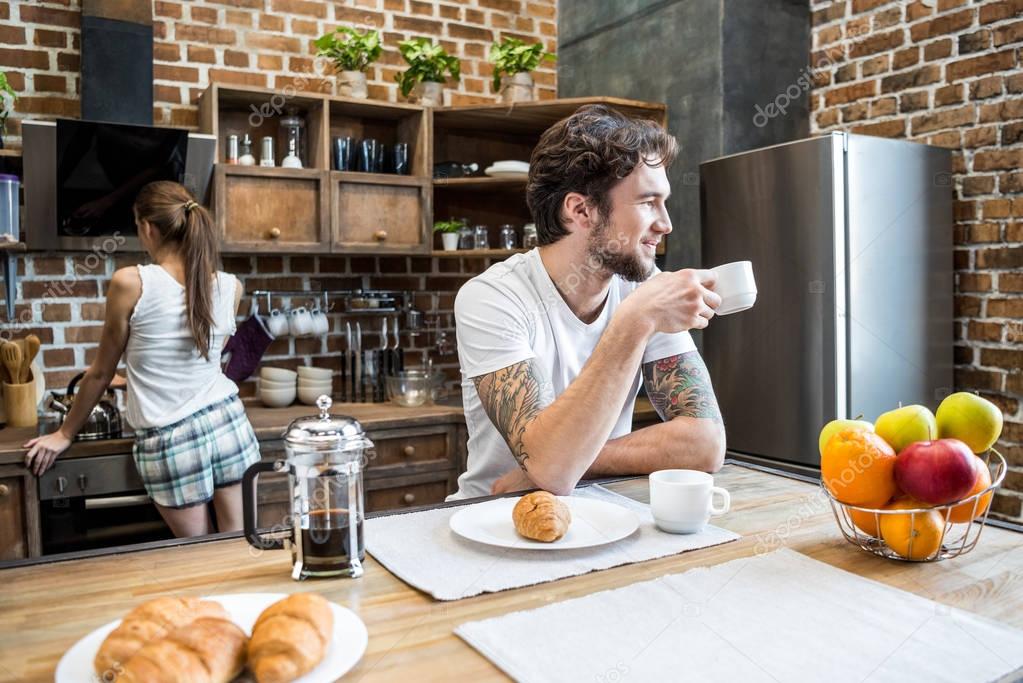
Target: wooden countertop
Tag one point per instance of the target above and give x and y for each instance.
(48, 607)
(268, 424)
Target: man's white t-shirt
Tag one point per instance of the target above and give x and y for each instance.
(513, 312)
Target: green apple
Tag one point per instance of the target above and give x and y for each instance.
(836, 426)
(906, 425)
(975, 421)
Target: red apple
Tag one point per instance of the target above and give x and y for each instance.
(936, 472)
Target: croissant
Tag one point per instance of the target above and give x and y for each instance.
(150, 621)
(290, 638)
(207, 650)
(541, 516)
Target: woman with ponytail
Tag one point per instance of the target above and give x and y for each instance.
(170, 320)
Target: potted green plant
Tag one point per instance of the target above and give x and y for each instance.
(513, 61)
(428, 64)
(352, 53)
(7, 99)
(448, 233)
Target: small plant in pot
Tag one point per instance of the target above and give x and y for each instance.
(428, 64)
(352, 53)
(448, 233)
(7, 99)
(513, 61)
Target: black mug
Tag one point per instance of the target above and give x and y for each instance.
(343, 154)
(399, 158)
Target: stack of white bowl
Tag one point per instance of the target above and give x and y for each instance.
(314, 382)
(277, 387)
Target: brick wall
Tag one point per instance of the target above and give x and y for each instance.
(254, 42)
(947, 72)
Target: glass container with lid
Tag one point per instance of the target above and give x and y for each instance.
(291, 131)
(324, 458)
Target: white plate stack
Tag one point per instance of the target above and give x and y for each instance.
(314, 382)
(277, 387)
(508, 169)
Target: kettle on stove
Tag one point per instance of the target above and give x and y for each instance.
(104, 421)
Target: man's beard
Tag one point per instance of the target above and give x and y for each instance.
(611, 257)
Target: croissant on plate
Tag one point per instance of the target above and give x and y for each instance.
(541, 516)
(207, 650)
(290, 638)
(150, 621)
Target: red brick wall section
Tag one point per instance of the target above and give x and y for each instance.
(264, 43)
(947, 72)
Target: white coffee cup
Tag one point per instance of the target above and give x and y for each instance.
(736, 287)
(300, 322)
(681, 500)
(320, 322)
(277, 323)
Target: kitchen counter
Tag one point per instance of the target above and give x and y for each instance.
(269, 423)
(48, 607)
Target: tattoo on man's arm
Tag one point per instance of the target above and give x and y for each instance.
(512, 397)
(680, 386)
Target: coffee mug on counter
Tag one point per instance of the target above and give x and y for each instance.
(736, 287)
(681, 501)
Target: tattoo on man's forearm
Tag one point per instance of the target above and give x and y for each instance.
(512, 397)
(680, 386)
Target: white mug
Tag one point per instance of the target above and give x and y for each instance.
(277, 323)
(681, 500)
(300, 322)
(736, 287)
(320, 322)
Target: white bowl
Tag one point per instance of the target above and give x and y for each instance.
(274, 384)
(308, 396)
(277, 398)
(278, 374)
(314, 384)
(310, 372)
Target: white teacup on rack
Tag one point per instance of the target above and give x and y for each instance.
(300, 322)
(277, 323)
(320, 322)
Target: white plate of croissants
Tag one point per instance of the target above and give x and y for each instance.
(261, 637)
(543, 521)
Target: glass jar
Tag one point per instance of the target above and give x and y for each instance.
(291, 131)
(481, 237)
(508, 238)
(466, 237)
(529, 238)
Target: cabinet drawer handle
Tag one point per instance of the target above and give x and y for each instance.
(408, 498)
(4, 490)
(275, 233)
(380, 235)
(409, 451)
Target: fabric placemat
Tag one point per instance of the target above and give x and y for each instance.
(777, 617)
(422, 550)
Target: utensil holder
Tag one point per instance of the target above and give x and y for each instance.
(20, 404)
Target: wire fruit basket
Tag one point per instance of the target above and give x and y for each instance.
(956, 537)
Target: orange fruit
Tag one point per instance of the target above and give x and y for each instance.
(964, 512)
(865, 521)
(858, 467)
(921, 530)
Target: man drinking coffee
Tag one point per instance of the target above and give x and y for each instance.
(553, 343)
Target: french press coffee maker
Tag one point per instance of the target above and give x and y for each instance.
(324, 459)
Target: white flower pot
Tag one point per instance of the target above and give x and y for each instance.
(352, 84)
(449, 240)
(429, 93)
(517, 88)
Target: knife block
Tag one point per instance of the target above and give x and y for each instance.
(20, 404)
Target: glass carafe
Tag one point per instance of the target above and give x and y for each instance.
(324, 459)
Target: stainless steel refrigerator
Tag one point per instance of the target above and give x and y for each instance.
(851, 242)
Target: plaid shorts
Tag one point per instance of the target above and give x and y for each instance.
(181, 464)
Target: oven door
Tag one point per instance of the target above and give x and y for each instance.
(89, 503)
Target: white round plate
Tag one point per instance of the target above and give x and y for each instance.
(345, 650)
(594, 522)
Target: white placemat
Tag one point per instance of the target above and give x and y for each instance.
(776, 617)
(421, 550)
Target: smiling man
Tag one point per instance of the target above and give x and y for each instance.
(553, 343)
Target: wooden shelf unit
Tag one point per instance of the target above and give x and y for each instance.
(353, 212)
(476, 253)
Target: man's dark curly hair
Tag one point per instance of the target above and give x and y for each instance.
(588, 153)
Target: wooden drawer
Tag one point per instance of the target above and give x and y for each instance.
(406, 496)
(415, 448)
(13, 537)
(372, 212)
